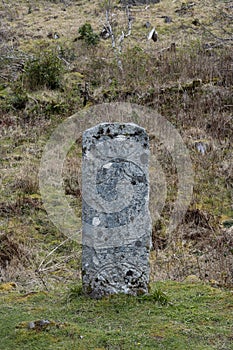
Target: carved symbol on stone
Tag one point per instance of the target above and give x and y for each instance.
(107, 178)
(125, 277)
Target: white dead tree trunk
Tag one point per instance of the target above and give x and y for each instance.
(117, 43)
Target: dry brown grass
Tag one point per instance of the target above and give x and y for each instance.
(203, 252)
(14, 257)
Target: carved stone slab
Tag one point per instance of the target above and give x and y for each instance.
(116, 221)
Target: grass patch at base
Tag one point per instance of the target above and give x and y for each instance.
(197, 316)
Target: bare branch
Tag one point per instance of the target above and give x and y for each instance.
(52, 251)
(2, 77)
(120, 41)
(130, 20)
(117, 51)
(109, 28)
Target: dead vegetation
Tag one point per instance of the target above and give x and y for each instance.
(14, 258)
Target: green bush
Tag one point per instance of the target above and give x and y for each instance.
(87, 34)
(19, 100)
(13, 97)
(43, 70)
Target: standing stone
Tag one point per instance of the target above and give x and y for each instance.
(116, 234)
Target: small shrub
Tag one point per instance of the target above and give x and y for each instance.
(87, 34)
(44, 70)
(19, 98)
(13, 97)
(156, 296)
(26, 181)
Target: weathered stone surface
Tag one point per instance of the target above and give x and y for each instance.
(116, 220)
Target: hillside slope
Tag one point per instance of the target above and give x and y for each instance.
(47, 73)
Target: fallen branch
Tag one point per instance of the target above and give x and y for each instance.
(39, 270)
(215, 36)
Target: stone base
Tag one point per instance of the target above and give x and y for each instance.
(116, 270)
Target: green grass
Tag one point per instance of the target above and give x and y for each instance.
(197, 316)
